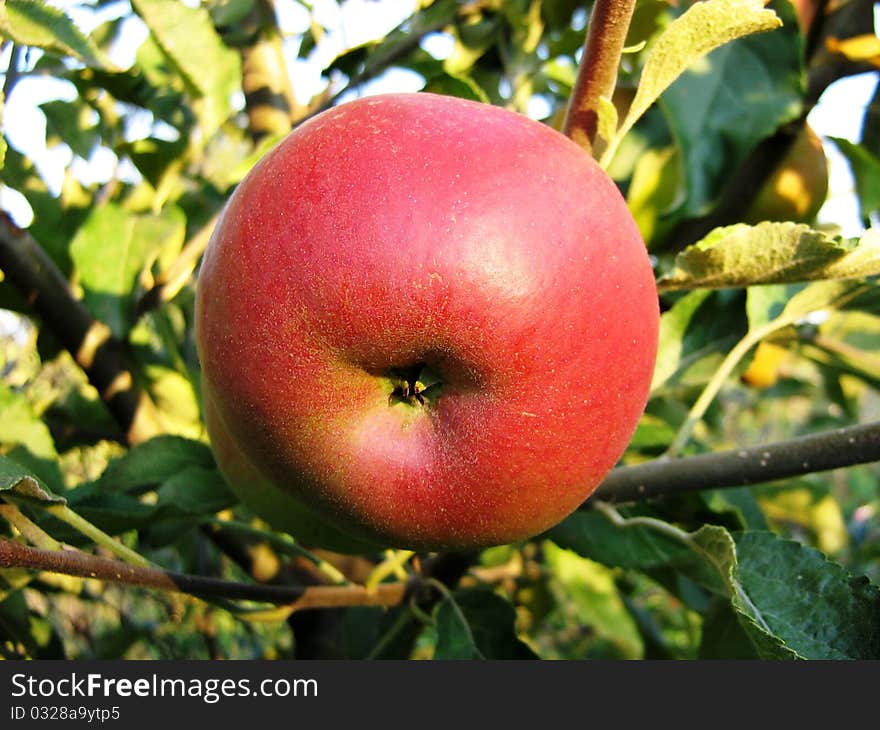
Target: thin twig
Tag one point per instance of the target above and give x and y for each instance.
(820, 452)
(28, 529)
(12, 74)
(99, 537)
(597, 72)
(719, 377)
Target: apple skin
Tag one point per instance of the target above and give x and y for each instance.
(411, 230)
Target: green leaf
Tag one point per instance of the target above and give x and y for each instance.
(865, 168)
(847, 342)
(71, 123)
(19, 625)
(652, 433)
(156, 461)
(696, 330)
(190, 42)
(790, 601)
(23, 484)
(56, 218)
(654, 192)
(702, 28)
(33, 23)
(112, 513)
(195, 491)
(182, 473)
(809, 602)
(607, 121)
(111, 249)
(727, 103)
(586, 591)
(477, 624)
(460, 85)
(765, 304)
(722, 635)
(639, 547)
(401, 47)
(22, 426)
(823, 295)
(771, 253)
(707, 557)
(177, 400)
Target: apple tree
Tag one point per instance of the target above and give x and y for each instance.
(743, 519)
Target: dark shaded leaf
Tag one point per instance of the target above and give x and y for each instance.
(723, 106)
(866, 171)
(809, 602)
(478, 624)
(23, 484)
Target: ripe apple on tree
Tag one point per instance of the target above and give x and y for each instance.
(423, 322)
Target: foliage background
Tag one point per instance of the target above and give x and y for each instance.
(779, 570)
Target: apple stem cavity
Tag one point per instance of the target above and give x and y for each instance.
(414, 385)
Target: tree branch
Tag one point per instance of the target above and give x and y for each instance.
(597, 72)
(89, 341)
(742, 467)
(269, 99)
(83, 565)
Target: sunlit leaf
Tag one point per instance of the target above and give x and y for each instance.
(654, 191)
(34, 23)
(702, 28)
(587, 590)
(111, 249)
(772, 253)
(728, 102)
(190, 42)
(21, 425)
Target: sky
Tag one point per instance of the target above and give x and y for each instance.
(839, 112)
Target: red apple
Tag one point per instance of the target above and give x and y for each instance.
(423, 322)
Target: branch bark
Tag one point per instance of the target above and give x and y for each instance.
(83, 565)
(663, 477)
(269, 99)
(597, 72)
(743, 467)
(89, 341)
